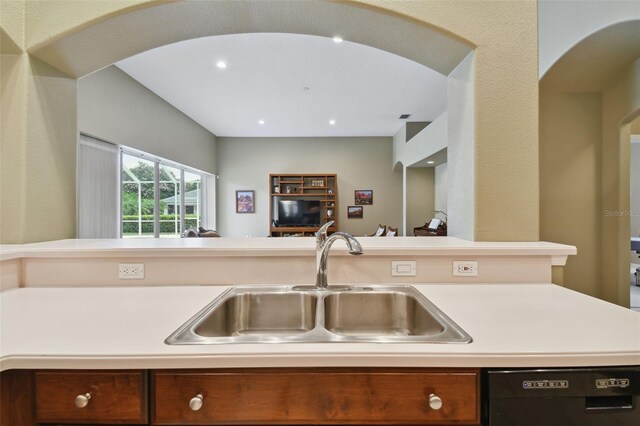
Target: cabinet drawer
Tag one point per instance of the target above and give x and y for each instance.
(316, 396)
(115, 397)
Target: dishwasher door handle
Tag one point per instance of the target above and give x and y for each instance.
(599, 404)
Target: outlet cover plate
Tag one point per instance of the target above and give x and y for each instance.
(403, 268)
(465, 268)
(131, 271)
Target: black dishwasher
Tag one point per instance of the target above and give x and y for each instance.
(607, 396)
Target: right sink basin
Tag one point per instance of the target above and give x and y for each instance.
(382, 313)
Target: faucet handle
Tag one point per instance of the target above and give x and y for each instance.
(321, 235)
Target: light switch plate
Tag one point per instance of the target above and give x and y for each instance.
(131, 271)
(465, 268)
(403, 268)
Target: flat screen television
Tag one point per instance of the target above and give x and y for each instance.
(298, 213)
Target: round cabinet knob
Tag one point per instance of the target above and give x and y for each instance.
(83, 400)
(196, 402)
(435, 402)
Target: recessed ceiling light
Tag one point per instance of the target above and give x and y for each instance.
(338, 39)
(261, 122)
(221, 64)
(430, 162)
(332, 122)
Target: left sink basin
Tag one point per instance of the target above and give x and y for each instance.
(260, 314)
(250, 317)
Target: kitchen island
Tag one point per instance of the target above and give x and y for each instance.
(94, 351)
(524, 325)
(98, 355)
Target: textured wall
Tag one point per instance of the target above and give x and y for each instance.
(38, 151)
(571, 182)
(621, 104)
(47, 18)
(360, 163)
(461, 152)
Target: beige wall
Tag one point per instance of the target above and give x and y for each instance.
(52, 17)
(360, 163)
(420, 196)
(114, 107)
(38, 151)
(585, 181)
(506, 101)
(571, 182)
(621, 104)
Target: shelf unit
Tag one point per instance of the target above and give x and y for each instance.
(321, 187)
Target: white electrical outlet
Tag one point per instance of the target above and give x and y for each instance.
(131, 271)
(465, 268)
(403, 268)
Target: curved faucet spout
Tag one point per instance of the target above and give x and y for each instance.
(323, 245)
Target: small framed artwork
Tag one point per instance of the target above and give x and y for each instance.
(245, 202)
(355, 212)
(364, 197)
(317, 182)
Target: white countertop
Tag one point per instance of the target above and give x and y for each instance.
(172, 247)
(525, 325)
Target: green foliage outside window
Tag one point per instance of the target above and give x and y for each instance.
(190, 221)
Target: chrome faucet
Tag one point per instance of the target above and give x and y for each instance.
(323, 245)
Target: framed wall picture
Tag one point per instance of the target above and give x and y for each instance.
(355, 212)
(245, 202)
(364, 197)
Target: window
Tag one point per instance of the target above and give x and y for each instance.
(160, 198)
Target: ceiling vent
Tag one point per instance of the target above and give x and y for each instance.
(405, 116)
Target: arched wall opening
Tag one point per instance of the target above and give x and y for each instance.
(587, 100)
(439, 36)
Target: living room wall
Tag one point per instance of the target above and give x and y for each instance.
(115, 107)
(359, 162)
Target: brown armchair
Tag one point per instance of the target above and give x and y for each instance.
(425, 231)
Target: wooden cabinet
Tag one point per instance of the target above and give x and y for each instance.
(258, 396)
(111, 397)
(322, 188)
(316, 396)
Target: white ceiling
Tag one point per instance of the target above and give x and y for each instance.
(362, 88)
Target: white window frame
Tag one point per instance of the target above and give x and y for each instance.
(124, 150)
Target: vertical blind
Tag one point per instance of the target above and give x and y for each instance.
(98, 189)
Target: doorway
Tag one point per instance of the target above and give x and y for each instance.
(634, 215)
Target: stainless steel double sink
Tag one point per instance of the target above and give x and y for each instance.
(285, 314)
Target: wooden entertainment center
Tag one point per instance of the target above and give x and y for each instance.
(303, 187)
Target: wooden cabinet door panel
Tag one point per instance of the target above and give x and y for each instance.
(117, 397)
(316, 396)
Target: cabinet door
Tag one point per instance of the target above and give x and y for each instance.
(315, 396)
(95, 397)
